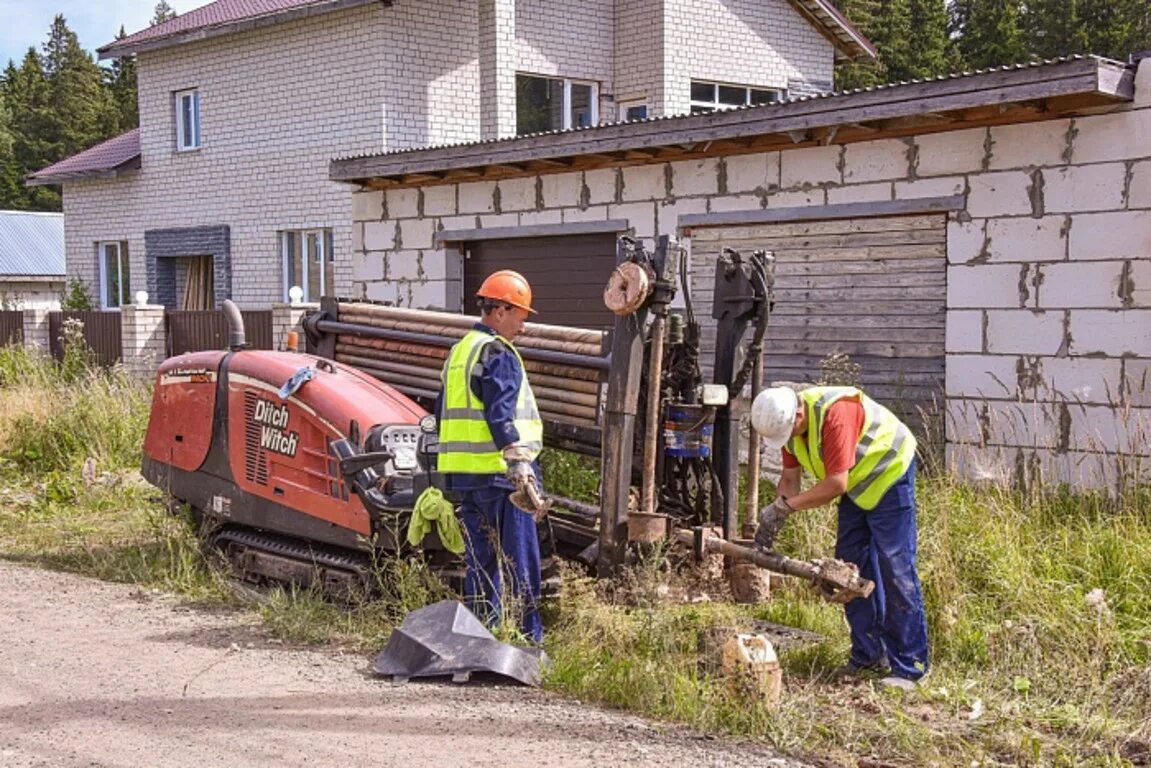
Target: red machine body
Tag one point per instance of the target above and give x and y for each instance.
(269, 475)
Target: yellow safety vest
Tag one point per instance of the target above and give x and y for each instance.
(466, 442)
(885, 451)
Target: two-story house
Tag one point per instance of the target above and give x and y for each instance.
(224, 189)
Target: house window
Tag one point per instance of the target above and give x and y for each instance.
(709, 97)
(552, 104)
(114, 277)
(187, 120)
(308, 262)
(632, 111)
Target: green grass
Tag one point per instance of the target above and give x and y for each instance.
(1039, 604)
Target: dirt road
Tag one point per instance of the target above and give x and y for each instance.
(97, 674)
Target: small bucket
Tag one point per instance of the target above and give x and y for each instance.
(646, 527)
(687, 431)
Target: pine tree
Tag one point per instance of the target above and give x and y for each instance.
(121, 81)
(162, 13)
(989, 32)
(82, 110)
(864, 15)
(932, 54)
(1116, 28)
(1054, 28)
(27, 98)
(893, 38)
(9, 176)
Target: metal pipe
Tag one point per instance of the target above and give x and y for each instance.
(773, 561)
(237, 339)
(651, 425)
(435, 326)
(542, 355)
(534, 330)
(581, 508)
(563, 380)
(753, 447)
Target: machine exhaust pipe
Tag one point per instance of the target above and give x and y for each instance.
(237, 339)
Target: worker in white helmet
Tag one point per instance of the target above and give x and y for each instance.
(861, 453)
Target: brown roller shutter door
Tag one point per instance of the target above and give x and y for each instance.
(567, 274)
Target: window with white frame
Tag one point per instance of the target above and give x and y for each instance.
(709, 97)
(187, 120)
(308, 262)
(554, 104)
(115, 279)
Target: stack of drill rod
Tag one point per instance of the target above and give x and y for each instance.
(565, 365)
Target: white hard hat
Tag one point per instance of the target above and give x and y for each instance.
(773, 414)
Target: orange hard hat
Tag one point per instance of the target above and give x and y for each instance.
(509, 287)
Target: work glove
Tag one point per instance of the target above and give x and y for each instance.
(771, 520)
(528, 494)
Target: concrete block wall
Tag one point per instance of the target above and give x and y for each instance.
(1049, 295)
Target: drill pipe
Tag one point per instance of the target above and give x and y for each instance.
(432, 317)
(419, 352)
(435, 325)
(430, 390)
(773, 561)
(597, 362)
(542, 391)
(538, 373)
(572, 404)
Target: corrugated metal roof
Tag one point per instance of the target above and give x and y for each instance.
(217, 18)
(797, 118)
(31, 243)
(719, 115)
(118, 153)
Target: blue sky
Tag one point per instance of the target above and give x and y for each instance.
(25, 23)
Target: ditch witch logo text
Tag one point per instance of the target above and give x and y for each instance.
(274, 435)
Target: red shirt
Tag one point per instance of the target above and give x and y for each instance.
(841, 429)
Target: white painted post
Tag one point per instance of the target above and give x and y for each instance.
(286, 318)
(142, 338)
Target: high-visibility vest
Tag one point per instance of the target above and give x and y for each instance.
(466, 443)
(885, 451)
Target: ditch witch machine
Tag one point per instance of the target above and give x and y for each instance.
(305, 467)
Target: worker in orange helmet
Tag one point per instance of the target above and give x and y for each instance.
(490, 437)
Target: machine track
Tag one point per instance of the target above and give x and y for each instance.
(256, 556)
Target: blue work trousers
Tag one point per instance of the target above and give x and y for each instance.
(891, 622)
(503, 550)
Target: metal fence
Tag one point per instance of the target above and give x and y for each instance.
(198, 330)
(101, 332)
(11, 327)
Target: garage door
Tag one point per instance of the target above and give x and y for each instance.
(567, 274)
(872, 288)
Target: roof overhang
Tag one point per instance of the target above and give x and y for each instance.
(46, 179)
(118, 49)
(849, 42)
(1024, 93)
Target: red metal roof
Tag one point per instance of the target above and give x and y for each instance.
(119, 153)
(218, 18)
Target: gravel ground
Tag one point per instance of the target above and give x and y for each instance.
(98, 674)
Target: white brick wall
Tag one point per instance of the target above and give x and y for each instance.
(276, 105)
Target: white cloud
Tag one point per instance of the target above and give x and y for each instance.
(26, 22)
